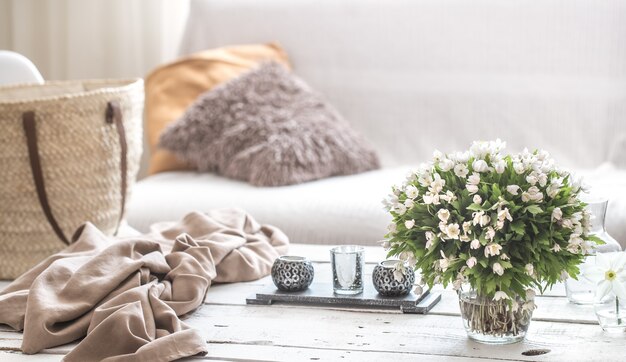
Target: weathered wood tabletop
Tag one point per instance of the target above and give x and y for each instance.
(236, 331)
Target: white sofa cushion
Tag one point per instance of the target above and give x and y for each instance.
(415, 75)
(338, 210)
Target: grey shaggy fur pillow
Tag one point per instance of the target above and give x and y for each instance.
(269, 128)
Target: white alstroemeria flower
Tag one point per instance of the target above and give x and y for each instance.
(444, 263)
(504, 214)
(504, 257)
(392, 228)
(453, 231)
(532, 178)
(429, 244)
(497, 268)
(443, 215)
(437, 185)
(480, 166)
(464, 238)
(499, 166)
(530, 294)
(556, 248)
(474, 179)
(490, 234)
(458, 282)
(574, 243)
(477, 199)
(530, 269)
(543, 179)
(461, 170)
(609, 274)
(467, 227)
(462, 157)
(404, 256)
(409, 224)
(442, 227)
(499, 225)
(480, 218)
(567, 223)
(398, 275)
(430, 198)
(519, 168)
(476, 217)
(471, 262)
(579, 185)
(411, 192)
(451, 196)
(385, 244)
(500, 295)
(438, 155)
(400, 209)
(425, 180)
(496, 146)
(554, 188)
(409, 203)
(528, 306)
(475, 244)
(533, 194)
(446, 164)
(557, 214)
(512, 189)
(430, 236)
(492, 249)
(472, 188)
(396, 190)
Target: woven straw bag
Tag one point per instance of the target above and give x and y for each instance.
(69, 153)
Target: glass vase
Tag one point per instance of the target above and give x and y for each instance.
(495, 322)
(611, 314)
(582, 291)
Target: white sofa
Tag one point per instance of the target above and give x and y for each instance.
(414, 76)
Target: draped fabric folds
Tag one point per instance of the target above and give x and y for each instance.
(125, 296)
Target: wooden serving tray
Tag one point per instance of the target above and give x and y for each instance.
(322, 294)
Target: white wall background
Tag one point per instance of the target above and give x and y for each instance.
(79, 39)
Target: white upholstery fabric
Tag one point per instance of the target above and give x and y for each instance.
(340, 210)
(415, 75)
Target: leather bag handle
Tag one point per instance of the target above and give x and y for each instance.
(30, 129)
(113, 115)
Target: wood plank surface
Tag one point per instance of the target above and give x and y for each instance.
(236, 332)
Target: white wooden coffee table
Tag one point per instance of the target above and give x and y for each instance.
(236, 331)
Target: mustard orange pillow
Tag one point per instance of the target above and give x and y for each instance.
(173, 87)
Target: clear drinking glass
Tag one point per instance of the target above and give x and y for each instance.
(347, 264)
(582, 291)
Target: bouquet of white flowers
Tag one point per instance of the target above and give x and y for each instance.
(502, 224)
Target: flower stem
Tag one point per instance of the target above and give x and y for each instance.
(619, 320)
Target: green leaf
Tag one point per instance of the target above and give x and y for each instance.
(518, 227)
(495, 190)
(533, 209)
(596, 240)
(475, 207)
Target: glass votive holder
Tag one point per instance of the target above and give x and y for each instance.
(292, 273)
(347, 265)
(386, 283)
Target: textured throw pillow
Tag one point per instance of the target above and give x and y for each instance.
(173, 87)
(269, 128)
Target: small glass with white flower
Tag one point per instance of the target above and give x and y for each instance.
(501, 226)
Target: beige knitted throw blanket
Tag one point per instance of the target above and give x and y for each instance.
(123, 297)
